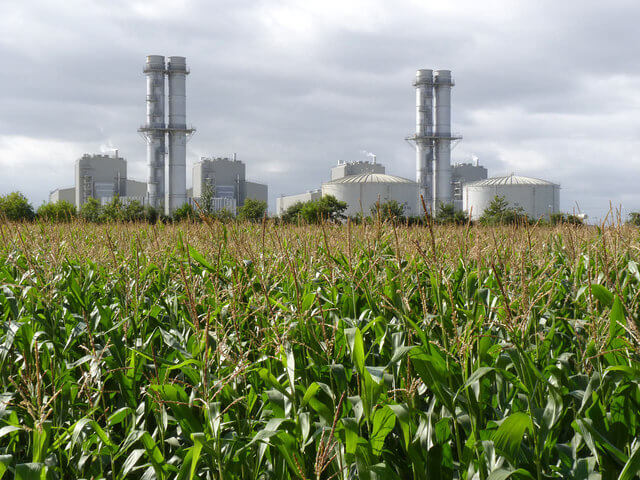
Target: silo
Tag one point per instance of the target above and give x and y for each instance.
(538, 198)
(362, 191)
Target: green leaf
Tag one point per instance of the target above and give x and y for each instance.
(509, 435)
(632, 467)
(604, 296)
(617, 320)
(198, 442)
(384, 419)
(131, 461)
(31, 471)
(5, 461)
(503, 474)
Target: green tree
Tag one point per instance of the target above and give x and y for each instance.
(326, 208)
(500, 213)
(133, 212)
(206, 199)
(560, 218)
(389, 210)
(447, 214)
(185, 212)
(60, 211)
(91, 210)
(293, 213)
(252, 210)
(114, 210)
(15, 206)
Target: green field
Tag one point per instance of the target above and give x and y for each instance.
(247, 351)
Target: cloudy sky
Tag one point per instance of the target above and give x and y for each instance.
(543, 88)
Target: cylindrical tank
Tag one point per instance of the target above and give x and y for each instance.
(424, 130)
(364, 190)
(154, 69)
(442, 159)
(538, 198)
(177, 188)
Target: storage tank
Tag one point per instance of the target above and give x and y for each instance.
(538, 198)
(362, 191)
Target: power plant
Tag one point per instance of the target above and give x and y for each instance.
(361, 184)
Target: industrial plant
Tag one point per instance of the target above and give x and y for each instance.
(464, 185)
(103, 177)
(361, 184)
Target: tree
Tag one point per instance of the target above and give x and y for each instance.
(560, 218)
(60, 211)
(634, 219)
(206, 199)
(133, 212)
(114, 210)
(447, 214)
(91, 210)
(293, 213)
(15, 206)
(389, 210)
(499, 213)
(185, 212)
(252, 210)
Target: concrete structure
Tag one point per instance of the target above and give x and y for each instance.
(538, 198)
(285, 201)
(137, 189)
(462, 173)
(154, 130)
(63, 194)
(363, 191)
(227, 178)
(99, 176)
(344, 169)
(433, 137)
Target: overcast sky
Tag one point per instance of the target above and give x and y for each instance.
(544, 88)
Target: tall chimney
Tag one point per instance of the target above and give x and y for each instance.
(154, 129)
(176, 194)
(424, 133)
(442, 162)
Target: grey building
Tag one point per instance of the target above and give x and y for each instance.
(227, 178)
(462, 173)
(344, 169)
(99, 176)
(66, 194)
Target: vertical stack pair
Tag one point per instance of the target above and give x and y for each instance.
(155, 131)
(433, 144)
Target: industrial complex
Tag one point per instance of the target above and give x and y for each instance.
(361, 184)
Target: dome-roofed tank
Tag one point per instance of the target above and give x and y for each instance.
(362, 191)
(538, 198)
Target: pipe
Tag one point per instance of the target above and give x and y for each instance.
(176, 195)
(424, 131)
(442, 161)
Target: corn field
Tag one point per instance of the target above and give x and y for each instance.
(246, 351)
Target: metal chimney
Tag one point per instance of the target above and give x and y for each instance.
(442, 193)
(154, 129)
(424, 133)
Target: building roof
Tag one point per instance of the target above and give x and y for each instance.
(512, 179)
(370, 178)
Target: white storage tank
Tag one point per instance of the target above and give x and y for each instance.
(362, 191)
(539, 198)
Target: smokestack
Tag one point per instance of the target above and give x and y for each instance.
(442, 162)
(424, 132)
(176, 194)
(154, 129)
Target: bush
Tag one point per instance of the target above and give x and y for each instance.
(252, 210)
(389, 210)
(560, 218)
(60, 211)
(500, 213)
(133, 212)
(185, 212)
(16, 207)
(293, 213)
(447, 215)
(328, 208)
(634, 219)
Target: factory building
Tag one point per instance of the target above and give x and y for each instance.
(99, 176)
(63, 194)
(361, 185)
(462, 173)
(227, 179)
(538, 198)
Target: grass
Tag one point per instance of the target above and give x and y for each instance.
(248, 351)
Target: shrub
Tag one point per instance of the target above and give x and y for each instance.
(389, 210)
(60, 211)
(252, 210)
(91, 210)
(185, 212)
(500, 213)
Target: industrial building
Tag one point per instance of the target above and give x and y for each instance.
(462, 173)
(101, 177)
(538, 198)
(361, 185)
(155, 131)
(227, 179)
